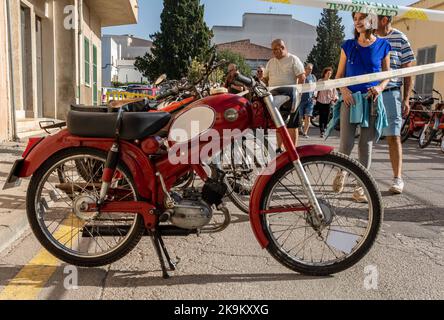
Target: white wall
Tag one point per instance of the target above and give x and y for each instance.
(123, 49)
(110, 56)
(128, 73)
(262, 29)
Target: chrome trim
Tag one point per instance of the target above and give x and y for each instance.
(274, 112)
(308, 189)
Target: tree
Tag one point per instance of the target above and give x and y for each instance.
(183, 37)
(327, 51)
(237, 59)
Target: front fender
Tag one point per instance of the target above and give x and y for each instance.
(136, 161)
(260, 185)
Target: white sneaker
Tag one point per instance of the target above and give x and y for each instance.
(397, 186)
(338, 183)
(359, 195)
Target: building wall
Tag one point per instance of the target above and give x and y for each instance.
(16, 58)
(247, 49)
(65, 62)
(45, 59)
(110, 54)
(424, 34)
(262, 29)
(4, 81)
(127, 73)
(124, 50)
(93, 31)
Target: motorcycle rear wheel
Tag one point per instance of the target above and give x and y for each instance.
(242, 165)
(287, 228)
(82, 241)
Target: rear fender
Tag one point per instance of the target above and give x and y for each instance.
(133, 157)
(261, 183)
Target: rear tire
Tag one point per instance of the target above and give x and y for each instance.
(240, 177)
(49, 241)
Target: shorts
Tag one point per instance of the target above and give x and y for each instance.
(292, 120)
(393, 108)
(306, 109)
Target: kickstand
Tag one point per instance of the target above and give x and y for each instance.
(159, 245)
(171, 263)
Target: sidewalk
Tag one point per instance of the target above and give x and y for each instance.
(13, 221)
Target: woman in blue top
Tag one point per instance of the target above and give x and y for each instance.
(362, 55)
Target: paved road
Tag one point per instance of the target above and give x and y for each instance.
(408, 255)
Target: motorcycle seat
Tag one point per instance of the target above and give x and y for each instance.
(428, 102)
(135, 125)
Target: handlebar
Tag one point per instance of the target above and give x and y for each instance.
(167, 94)
(247, 81)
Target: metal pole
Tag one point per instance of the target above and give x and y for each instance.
(11, 74)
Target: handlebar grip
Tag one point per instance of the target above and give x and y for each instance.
(249, 82)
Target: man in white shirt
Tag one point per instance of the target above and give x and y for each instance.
(284, 70)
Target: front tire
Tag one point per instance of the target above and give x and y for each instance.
(346, 216)
(405, 131)
(87, 241)
(426, 137)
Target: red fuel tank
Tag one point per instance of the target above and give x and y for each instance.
(215, 114)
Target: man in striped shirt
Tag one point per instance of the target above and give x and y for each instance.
(397, 105)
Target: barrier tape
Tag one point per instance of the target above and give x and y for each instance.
(373, 77)
(121, 95)
(370, 7)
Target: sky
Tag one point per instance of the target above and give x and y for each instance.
(228, 13)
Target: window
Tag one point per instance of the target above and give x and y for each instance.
(95, 91)
(424, 83)
(87, 63)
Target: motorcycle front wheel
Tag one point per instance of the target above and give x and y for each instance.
(405, 131)
(350, 201)
(426, 137)
(57, 191)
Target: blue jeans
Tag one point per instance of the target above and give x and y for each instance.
(393, 108)
(306, 108)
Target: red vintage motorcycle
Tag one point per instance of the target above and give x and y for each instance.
(97, 189)
(417, 118)
(434, 129)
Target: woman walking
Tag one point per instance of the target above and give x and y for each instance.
(362, 104)
(324, 101)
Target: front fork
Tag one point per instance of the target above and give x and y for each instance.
(292, 153)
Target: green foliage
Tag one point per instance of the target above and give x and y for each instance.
(183, 37)
(327, 51)
(195, 71)
(236, 58)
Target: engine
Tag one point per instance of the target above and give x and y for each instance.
(191, 214)
(193, 210)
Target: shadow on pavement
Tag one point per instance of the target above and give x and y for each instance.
(99, 278)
